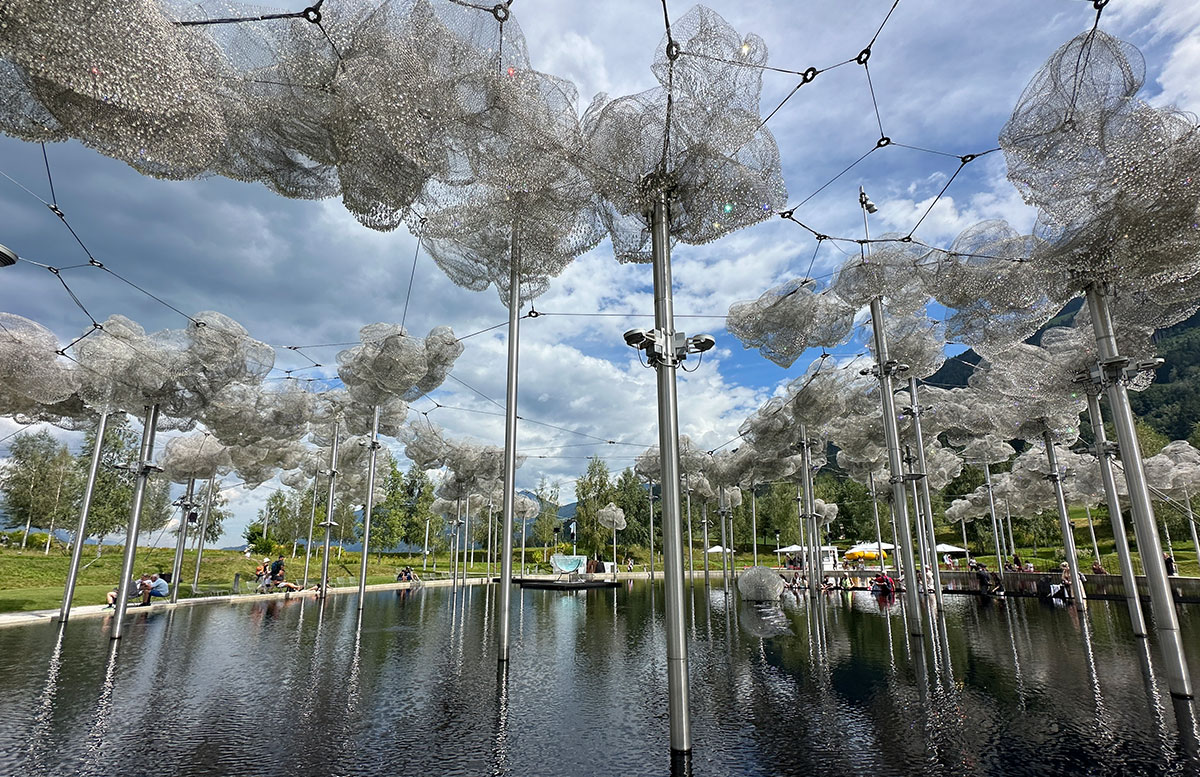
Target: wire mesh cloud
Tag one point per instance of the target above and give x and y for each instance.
(30, 366)
(789, 319)
(611, 517)
(698, 135)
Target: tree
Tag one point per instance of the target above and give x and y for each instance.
(542, 531)
(592, 492)
(27, 481)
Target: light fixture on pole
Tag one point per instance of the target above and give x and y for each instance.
(8, 257)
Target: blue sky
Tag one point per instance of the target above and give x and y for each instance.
(946, 75)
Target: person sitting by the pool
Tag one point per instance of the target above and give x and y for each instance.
(278, 580)
(157, 588)
(1068, 589)
(135, 590)
(1098, 568)
(1016, 560)
(882, 584)
(988, 582)
(277, 566)
(827, 584)
(844, 583)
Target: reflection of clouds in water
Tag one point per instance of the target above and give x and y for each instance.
(763, 620)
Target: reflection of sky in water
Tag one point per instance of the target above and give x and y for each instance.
(291, 687)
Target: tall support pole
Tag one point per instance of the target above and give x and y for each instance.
(800, 528)
(704, 522)
(328, 523)
(997, 527)
(1092, 531)
(454, 534)
(878, 531)
(813, 545)
(754, 523)
(208, 500)
(524, 532)
(883, 371)
(489, 556)
(721, 508)
(963, 523)
(926, 502)
(668, 447)
(1191, 519)
(312, 522)
(1012, 542)
(650, 501)
(468, 553)
(510, 453)
(369, 507)
(1166, 621)
(425, 549)
(691, 545)
(142, 472)
(1064, 522)
(64, 611)
(615, 562)
(181, 538)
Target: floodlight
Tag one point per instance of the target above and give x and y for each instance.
(637, 338)
(700, 343)
(8, 257)
(865, 202)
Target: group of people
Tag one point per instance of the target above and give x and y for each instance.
(407, 575)
(271, 577)
(145, 588)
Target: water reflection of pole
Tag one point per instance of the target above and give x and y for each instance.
(142, 471)
(81, 528)
(97, 737)
(329, 523)
(1018, 676)
(44, 715)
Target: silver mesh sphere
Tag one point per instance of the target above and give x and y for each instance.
(760, 584)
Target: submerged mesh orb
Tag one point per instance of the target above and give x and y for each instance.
(760, 584)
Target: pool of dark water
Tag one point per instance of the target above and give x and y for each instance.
(835, 686)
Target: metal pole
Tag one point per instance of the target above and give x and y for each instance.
(923, 550)
(328, 523)
(996, 527)
(884, 369)
(181, 539)
(491, 542)
(1064, 522)
(1191, 519)
(1166, 621)
(454, 532)
(143, 466)
(810, 510)
(668, 434)
(926, 503)
(878, 531)
(1012, 542)
(203, 529)
(510, 453)
(753, 523)
(425, 550)
(615, 564)
(466, 542)
(650, 496)
(64, 611)
(368, 508)
(312, 520)
(524, 531)
(967, 549)
(704, 521)
(724, 540)
(691, 545)
(1092, 531)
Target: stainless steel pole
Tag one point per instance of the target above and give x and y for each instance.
(721, 507)
(64, 611)
(328, 523)
(926, 502)
(368, 507)
(466, 540)
(650, 497)
(510, 453)
(997, 527)
(615, 564)
(884, 369)
(753, 523)
(810, 513)
(1092, 531)
(143, 467)
(1064, 522)
(425, 550)
(1166, 621)
(668, 433)
(704, 522)
(1191, 519)
(454, 535)
(691, 545)
(1012, 542)
(963, 523)
(525, 531)
(208, 500)
(312, 521)
(181, 539)
(878, 531)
